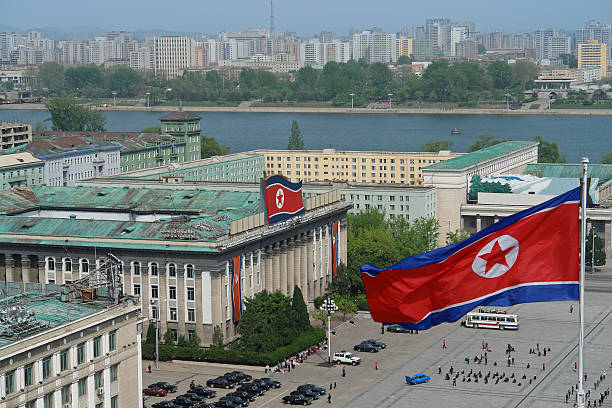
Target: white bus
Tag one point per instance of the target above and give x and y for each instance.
(491, 319)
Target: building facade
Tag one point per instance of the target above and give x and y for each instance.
(593, 54)
(14, 135)
(352, 166)
(175, 246)
(20, 169)
(374, 46)
(403, 47)
(172, 55)
(76, 354)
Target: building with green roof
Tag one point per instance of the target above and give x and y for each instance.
(176, 246)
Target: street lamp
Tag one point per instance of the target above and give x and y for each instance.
(352, 96)
(114, 100)
(508, 101)
(390, 95)
(153, 302)
(148, 93)
(593, 251)
(331, 307)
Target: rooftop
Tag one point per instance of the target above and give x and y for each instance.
(469, 159)
(29, 314)
(563, 170)
(67, 144)
(442, 153)
(180, 115)
(128, 141)
(18, 159)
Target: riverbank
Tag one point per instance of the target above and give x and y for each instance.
(419, 111)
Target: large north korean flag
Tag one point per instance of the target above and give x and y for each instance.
(283, 199)
(531, 256)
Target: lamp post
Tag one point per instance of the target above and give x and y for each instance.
(352, 96)
(154, 304)
(508, 101)
(331, 307)
(148, 93)
(390, 95)
(593, 251)
(114, 98)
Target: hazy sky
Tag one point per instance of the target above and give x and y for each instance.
(304, 16)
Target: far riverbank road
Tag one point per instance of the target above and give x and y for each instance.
(549, 324)
(289, 109)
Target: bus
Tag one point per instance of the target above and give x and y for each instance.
(491, 319)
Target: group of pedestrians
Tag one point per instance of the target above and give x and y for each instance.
(596, 402)
(294, 361)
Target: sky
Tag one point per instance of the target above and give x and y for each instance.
(307, 17)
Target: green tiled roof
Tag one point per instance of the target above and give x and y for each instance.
(562, 170)
(482, 155)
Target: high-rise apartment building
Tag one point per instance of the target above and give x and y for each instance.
(422, 49)
(403, 47)
(457, 34)
(551, 44)
(467, 48)
(8, 42)
(594, 30)
(173, 55)
(315, 52)
(374, 46)
(593, 54)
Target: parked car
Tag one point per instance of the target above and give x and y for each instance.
(236, 400)
(164, 386)
(241, 375)
(252, 388)
(244, 395)
(366, 347)
(261, 384)
(376, 343)
(312, 387)
(234, 379)
(305, 392)
(185, 402)
(155, 391)
(165, 404)
(194, 397)
(296, 399)
(344, 357)
(219, 382)
(226, 404)
(272, 383)
(204, 392)
(417, 379)
(396, 328)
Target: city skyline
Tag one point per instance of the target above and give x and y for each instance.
(340, 15)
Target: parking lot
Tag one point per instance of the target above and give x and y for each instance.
(549, 324)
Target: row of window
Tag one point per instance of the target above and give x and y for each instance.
(136, 267)
(354, 160)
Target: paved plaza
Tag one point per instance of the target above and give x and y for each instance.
(549, 324)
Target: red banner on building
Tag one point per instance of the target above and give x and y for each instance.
(335, 236)
(236, 288)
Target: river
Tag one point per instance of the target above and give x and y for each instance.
(576, 136)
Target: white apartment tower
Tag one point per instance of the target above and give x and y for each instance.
(374, 46)
(173, 55)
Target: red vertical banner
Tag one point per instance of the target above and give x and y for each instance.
(335, 236)
(236, 289)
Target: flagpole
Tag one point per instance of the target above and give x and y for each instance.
(583, 202)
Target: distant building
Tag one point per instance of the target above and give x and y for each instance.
(20, 169)
(14, 135)
(550, 44)
(172, 55)
(374, 46)
(67, 354)
(467, 49)
(595, 30)
(403, 47)
(593, 54)
(458, 33)
(320, 53)
(423, 49)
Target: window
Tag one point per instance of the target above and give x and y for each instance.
(115, 401)
(80, 353)
(48, 400)
(46, 367)
(154, 291)
(28, 373)
(64, 360)
(191, 315)
(190, 334)
(136, 268)
(112, 340)
(82, 386)
(172, 292)
(190, 293)
(98, 379)
(136, 289)
(154, 269)
(154, 313)
(9, 378)
(30, 404)
(173, 314)
(84, 266)
(67, 265)
(97, 349)
(189, 271)
(66, 394)
(113, 372)
(50, 264)
(175, 334)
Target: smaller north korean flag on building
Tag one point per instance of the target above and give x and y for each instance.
(283, 199)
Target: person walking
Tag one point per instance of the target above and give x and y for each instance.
(443, 343)
(543, 366)
(343, 372)
(149, 369)
(382, 329)
(376, 365)
(329, 398)
(571, 308)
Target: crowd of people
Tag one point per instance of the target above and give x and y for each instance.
(292, 362)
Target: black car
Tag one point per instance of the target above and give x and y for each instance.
(204, 392)
(366, 347)
(396, 328)
(272, 383)
(241, 375)
(305, 392)
(219, 382)
(165, 404)
(234, 379)
(252, 388)
(376, 343)
(296, 399)
(164, 386)
(194, 397)
(236, 400)
(261, 384)
(313, 388)
(243, 394)
(185, 402)
(226, 404)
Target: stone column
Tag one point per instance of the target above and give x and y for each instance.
(478, 223)
(3, 258)
(10, 268)
(290, 266)
(310, 266)
(268, 282)
(42, 278)
(276, 268)
(283, 271)
(297, 263)
(26, 269)
(304, 266)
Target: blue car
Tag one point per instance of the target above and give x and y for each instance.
(417, 379)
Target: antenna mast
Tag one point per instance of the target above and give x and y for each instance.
(271, 17)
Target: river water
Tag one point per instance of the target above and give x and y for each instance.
(576, 136)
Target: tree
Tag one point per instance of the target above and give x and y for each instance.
(548, 152)
(607, 158)
(124, 81)
(67, 115)
(296, 142)
(437, 145)
(319, 314)
(524, 72)
(347, 282)
(570, 60)
(210, 147)
(300, 310)
(151, 129)
(39, 127)
(194, 341)
(8, 85)
(151, 330)
(217, 337)
(600, 253)
(452, 237)
(501, 74)
(345, 305)
(86, 75)
(182, 341)
(169, 337)
(484, 140)
(404, 60)
(51, 76)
